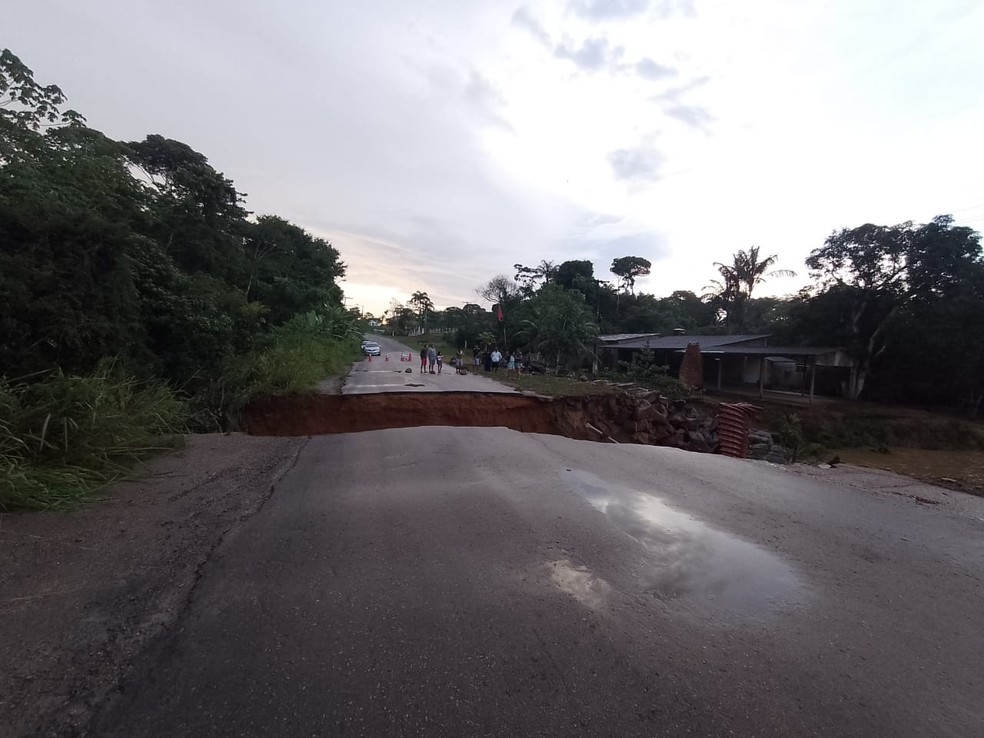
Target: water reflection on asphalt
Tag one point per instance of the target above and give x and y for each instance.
(692, 564)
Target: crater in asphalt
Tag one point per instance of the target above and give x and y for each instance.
(691, 562)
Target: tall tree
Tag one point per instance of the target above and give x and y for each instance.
(529, 278)
(574, 274)
(628, 269)
(880, 270)
(559, 325)
(423, 305)
(738, 282)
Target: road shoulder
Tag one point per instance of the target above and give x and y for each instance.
(83, 593)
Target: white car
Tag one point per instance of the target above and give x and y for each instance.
(370, 348)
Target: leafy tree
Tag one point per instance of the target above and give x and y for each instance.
(738, 280)
(135, 251)
(574, 274)
(26, 105)
(559, 324)
(198, 216)
(686, 310)
(289, 270)
(877, 272)
(528, 278)
(628, 269)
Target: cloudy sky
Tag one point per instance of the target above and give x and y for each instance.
(436, 143)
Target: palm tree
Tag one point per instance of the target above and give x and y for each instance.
(738, 279)
(750, 271)
(424, 305)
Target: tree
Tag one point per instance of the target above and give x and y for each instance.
(878, 272)
(628, 269)
(560, 324)
(289, 270)
(529, 277)
(738, 281)
(198, 213)
(25, 104)
(422, 303)
(574, 274)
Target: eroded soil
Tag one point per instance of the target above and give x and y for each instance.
(641, 417)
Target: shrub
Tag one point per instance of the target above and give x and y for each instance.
(63, 438)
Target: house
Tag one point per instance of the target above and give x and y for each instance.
(741, 361)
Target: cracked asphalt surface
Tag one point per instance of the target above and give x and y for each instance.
(484, 582)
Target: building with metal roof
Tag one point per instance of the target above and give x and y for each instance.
(745, 361)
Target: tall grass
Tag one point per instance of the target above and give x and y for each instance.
(292, 358)
(63, 438)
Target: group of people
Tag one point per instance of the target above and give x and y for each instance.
(431, 359)
(490, 359)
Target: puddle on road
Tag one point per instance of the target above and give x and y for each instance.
(580, 583)
(692, 563)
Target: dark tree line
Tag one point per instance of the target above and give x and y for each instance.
(906, 302)
(137, 250)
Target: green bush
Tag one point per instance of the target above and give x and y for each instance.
(63, 438)
(292, 358)
(644, 371)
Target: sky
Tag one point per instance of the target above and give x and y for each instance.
(436, 143)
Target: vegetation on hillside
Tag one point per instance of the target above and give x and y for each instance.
(142, 254)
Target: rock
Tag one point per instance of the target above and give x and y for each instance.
(660, 432)
(760, 436)
(645, 410)
(643, 438)
(774, 458)
(677, 440)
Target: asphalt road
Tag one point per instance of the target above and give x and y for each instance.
(386, 373)
(484, 582)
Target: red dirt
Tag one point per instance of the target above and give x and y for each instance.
(305, 415)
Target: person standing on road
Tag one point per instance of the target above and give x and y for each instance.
(459, 364)
(423, 359)
(519, 362)
(487, 361)
(496, 359)
(440, 362)
(431, 358)
(511, 363)
(476, 357)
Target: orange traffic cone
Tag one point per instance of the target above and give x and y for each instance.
(370, 358)
(387, 357)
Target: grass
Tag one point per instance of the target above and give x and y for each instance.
(868, 425)
(64, 438)
(293, 358)
(296, 358)
(961, 469)
(552, 386)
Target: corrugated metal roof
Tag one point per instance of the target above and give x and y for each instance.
(769, 351)
(670, 343)
(615, 337)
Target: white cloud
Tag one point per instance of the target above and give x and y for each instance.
(438, 143)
